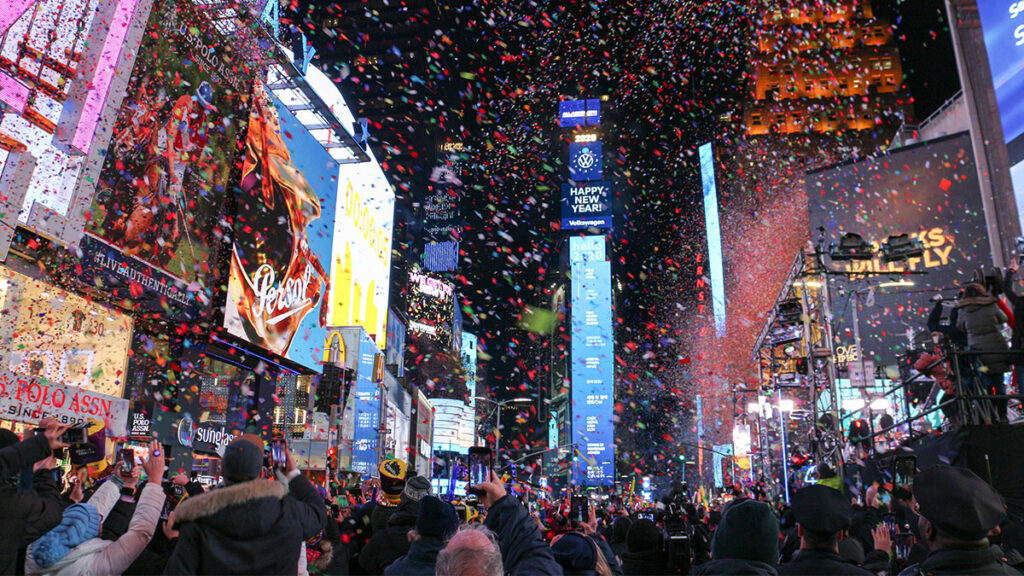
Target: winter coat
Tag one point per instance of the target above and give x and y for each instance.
(391, 543)
(734, 566)
(420, 561)
(966, 562)
(815, 562)
(649, 563)
(25, 515)
(99, 556)
(254, 527)
(983, 321)
(523, 550)
(1017, 302)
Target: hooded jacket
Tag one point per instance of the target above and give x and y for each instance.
(1017, 301)
(98, 556)
(420, 561)
(391, 543)
(25, 515)
(983, 322)
(254, 527)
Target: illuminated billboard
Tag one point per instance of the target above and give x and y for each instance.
(579, 113)
(940, 205)
(361, 264)
(77, 343)
(593, 363)
(586, 161)
(395, 350)
(284, 233)
(431, 307)
(714, 236)
(175, 143)
(441, 256)
(1002, 23)
(587, 205)
(453, 426)
(469, 363)
(59, 63)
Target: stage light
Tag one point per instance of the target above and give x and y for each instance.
(901, 247)
(851, 247)
(896, 284)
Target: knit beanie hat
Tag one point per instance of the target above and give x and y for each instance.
(643, 536)
(749, 531)
(436, 519)
(80, 522)
(415, 489)
(620, 528)
(243, 458)
(575, 553)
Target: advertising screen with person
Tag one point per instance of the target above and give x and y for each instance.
(283, 236)
(175, 142)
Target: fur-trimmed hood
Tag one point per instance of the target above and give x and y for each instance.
(975, 301)
(243, 510)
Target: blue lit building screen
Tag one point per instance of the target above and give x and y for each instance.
(586, 161)
(593, 368)
(714, 235)
(364, 439)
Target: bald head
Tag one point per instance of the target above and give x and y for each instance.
(472, 551)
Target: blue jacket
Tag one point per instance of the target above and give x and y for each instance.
(420, 561)
(523, 550)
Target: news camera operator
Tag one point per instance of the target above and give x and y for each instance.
(27, 514)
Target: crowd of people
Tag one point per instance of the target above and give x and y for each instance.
(267, 517)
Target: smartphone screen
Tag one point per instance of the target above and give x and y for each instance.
(75, 436)
(904, 469)
(890, 522)
(479, 465)
(127, 458)
(277, 452)
(902, 543)
(579, 512)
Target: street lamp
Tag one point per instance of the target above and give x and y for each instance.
(784, 406)
(497, 428)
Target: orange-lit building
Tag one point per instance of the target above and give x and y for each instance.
(821, 66)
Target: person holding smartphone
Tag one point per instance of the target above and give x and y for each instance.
(251, 525)
(27, 514)
(509, 534)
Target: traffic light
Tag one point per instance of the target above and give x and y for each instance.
(332, 457)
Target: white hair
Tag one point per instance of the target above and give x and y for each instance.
(470, 560)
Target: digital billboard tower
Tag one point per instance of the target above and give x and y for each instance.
(586, 205)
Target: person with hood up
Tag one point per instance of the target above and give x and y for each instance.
(617, 535)
(391, 543)
(26, 514)
(436, 523)
(579, 555)
(982, 320)
(75, 546)
(746, 542)
(645, 553)
(250, 525)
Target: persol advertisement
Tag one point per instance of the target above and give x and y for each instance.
(284, 234)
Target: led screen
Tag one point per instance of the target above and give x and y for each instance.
(714, 236)
(929, 190)
(579, 113)
(367, 410)
(587, 205)
(593, 374)
(58, 60)
(283, 236)
(175, 142)
(361, 264)
(585, 161)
